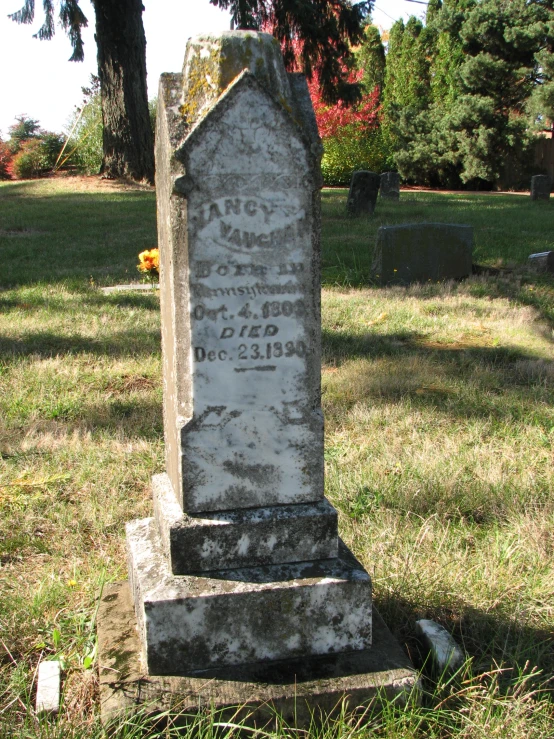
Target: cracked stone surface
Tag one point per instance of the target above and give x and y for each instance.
(239, 221)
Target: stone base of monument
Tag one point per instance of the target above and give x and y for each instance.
(297, 690)
(230, 617)
(247, 537)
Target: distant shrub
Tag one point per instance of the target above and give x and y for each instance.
(37, 156)
(84, 148)
(351, 149)
(22, 130)
(5, 161)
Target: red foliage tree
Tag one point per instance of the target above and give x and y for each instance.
(6, 164)
(331, 119)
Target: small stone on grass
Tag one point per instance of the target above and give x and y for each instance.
(48, 687)
(445, 652)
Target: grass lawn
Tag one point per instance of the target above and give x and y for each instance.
(439, 408)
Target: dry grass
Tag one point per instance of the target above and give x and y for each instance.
(439, 421)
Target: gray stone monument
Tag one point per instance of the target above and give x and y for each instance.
(541, 262)
(540, 187)
(362, 196)
(419, 252)
(241, 563)
(390, 186)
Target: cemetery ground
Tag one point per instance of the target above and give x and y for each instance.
(439, 410)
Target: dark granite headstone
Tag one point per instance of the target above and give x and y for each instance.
(542, 261)
(390, 186)
(540, 187)
(362, 196)
(422, 252)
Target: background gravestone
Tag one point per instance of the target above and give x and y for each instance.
(390, 186)
(541, 262)
(362, 196)
(540, 187)
(420, 252)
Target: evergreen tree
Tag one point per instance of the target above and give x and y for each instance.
(446, 22)
(22, 130)
(541, 102)
(315, 35)
(407, 85)
(485, 60)
(500, 39)
(370, 58)
(128, 145)
(393, 60)
(407, 68)
(324, 28)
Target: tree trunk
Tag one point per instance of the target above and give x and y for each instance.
(128, 141)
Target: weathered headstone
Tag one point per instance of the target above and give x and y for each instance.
(540, 187)
(390, 186)
(420, 252)
(541, 261)
(238, 212)
(362, 196)
(241, 564)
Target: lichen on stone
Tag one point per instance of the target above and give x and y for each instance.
(213, 63)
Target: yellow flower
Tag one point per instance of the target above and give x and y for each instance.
(72, 583)
(149, 260)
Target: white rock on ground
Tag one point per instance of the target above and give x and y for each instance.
(48, 687)
(444, 650)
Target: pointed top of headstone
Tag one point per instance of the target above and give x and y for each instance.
(213, 62)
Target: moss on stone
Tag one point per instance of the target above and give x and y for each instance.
(214, 63)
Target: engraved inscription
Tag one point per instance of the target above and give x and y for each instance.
(250, 224)
(248, 282)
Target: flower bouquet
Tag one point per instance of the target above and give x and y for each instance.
(149, 264)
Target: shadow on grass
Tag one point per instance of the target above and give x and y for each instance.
(46, 345)
(503, 383)
(78, 300)
(340, 347)
(124, 417)
(492, 639)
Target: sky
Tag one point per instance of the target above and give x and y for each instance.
(37, 80)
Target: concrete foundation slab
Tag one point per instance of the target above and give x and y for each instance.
(230, 617)
(242, 538)
(295, 689)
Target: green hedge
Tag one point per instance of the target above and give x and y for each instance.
(353, 149)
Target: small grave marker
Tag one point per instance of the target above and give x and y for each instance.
(540, 187)
(445, 652)
(390, 186)
(362, 196)
(542, 261)
(48, 687)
